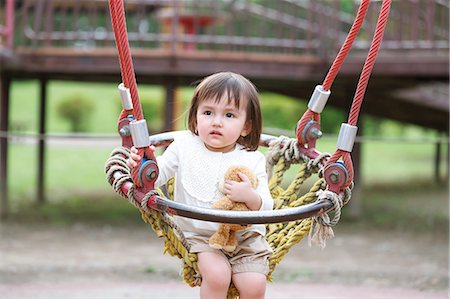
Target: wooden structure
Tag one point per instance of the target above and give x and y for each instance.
(284, 46)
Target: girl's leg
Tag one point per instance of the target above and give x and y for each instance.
(250, 285)
(216, 275)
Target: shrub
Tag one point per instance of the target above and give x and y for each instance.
(76, 109)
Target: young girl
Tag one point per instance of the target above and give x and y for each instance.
(224, 130)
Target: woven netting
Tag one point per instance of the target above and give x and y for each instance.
(282, 237)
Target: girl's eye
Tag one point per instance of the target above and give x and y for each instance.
(207, 113)
(229, 115)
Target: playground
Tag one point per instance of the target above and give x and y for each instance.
(66, 234)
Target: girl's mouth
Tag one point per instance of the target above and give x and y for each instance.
(216, 133)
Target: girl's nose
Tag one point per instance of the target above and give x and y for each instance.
(217, 121)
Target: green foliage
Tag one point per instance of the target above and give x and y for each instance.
(153, 111)
(410, 160)
(284, 112)
(280, 111)
(76, 109)
(331, 119)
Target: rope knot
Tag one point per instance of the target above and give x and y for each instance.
(144, 202)
(283, 147)
(317, 164)
(321, 229)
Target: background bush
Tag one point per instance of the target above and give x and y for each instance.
(76, 109)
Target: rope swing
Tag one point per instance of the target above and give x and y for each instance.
(295, 215)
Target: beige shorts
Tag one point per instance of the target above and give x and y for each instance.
(251, 255)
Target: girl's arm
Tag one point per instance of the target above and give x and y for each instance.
(263, 185)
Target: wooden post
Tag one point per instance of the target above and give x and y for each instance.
(5, 85)
(173, 105)
(355, 204)
(40, 194)
(437, 162)
(448, 161)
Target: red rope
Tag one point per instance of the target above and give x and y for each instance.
(118, 21)
(335, 67)
(362, 85)
(339, 60)
(369, 63)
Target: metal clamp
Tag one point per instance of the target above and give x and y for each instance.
(346, 138)
(318, 99)
(139, 133)
(125, 95)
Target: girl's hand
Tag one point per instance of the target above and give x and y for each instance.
(243, 192)
(134, 158)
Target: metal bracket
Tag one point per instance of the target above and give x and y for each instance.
(336, 176)
(311, 133)
(148, 173)
(123, 126)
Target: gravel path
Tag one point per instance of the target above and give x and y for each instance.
(81, 261)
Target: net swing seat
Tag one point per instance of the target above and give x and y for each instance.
(295, 215)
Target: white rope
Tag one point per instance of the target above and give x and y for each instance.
(321, 228)
(283, 146)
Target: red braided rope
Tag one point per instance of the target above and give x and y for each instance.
(369, 63)
(346, 46)
(362, 85)
(335, 67)
(118, 21)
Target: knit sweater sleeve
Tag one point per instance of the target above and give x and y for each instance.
(167, 164)
(263, 185)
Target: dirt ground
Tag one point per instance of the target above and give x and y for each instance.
(101, 261)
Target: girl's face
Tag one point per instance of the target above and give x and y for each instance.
(220, 124)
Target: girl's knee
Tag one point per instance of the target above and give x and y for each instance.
(253, 291)
(251, 285)
(215, 271)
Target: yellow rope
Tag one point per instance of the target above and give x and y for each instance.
(280, 236)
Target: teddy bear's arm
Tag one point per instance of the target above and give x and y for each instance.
(223, 204)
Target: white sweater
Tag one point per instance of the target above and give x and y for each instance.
(197, 172)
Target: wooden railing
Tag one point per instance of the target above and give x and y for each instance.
(267, 26)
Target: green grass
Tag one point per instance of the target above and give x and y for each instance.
(417, 206)
(76, 186)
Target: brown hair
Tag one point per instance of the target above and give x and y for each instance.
(238, 89)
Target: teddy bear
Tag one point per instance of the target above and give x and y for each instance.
(225, 238)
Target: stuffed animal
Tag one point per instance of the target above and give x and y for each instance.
(225, 237)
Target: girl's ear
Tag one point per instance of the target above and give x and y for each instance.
(247, 129)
